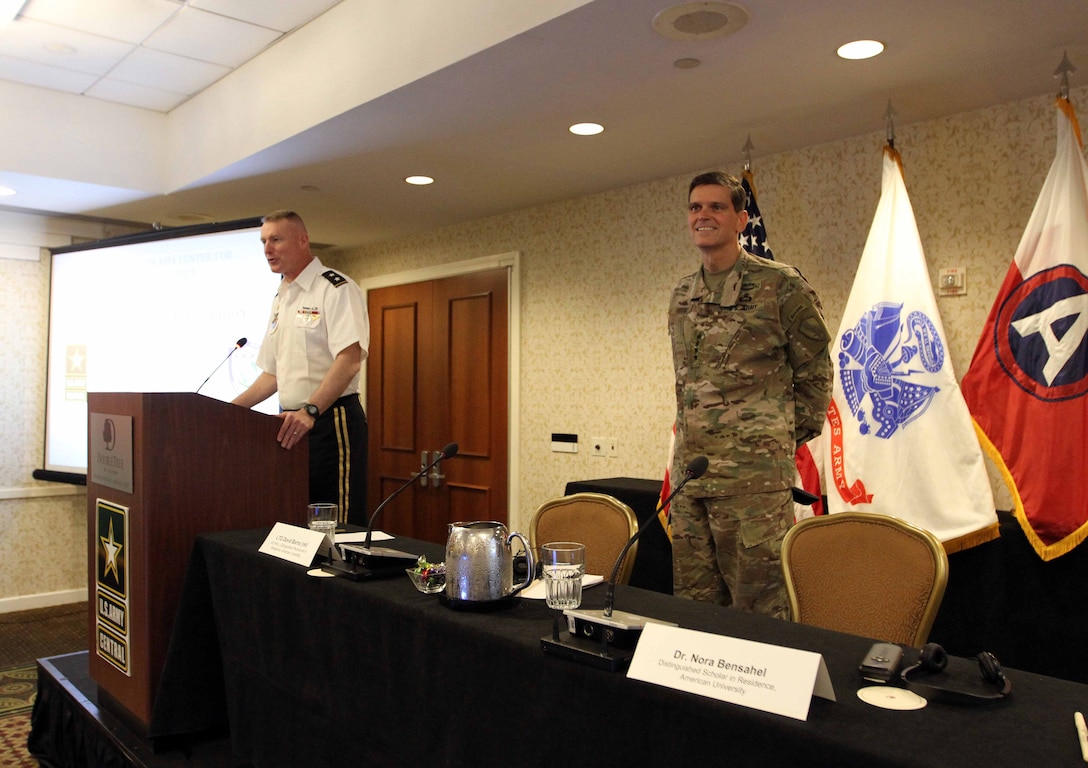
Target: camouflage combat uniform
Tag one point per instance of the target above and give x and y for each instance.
(753, 380)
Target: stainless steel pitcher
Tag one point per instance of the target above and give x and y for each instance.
(480, 562)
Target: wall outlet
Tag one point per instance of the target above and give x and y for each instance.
(603, 446)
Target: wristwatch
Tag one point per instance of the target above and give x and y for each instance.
(312, 409)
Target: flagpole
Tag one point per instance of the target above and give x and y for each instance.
(1064, 70)
(889, 124)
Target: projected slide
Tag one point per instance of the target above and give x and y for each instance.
(155, 316)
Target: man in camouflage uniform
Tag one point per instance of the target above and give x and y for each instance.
(753, 380)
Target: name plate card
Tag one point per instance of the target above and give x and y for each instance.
(769, 678)
(292, 543)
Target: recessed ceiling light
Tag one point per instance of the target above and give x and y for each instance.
(309, 188)
(586, 129)
(6, 191)
(62, 48)
(686, 63)
(861, 49)
(420, 181)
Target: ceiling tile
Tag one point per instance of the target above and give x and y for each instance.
(210, 37)
(127, 20)
(44, 76)
(281, 16)
(60, 47)
(135, 95)
(167, 71)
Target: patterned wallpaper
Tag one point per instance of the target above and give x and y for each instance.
(596, 273)
(42, 538)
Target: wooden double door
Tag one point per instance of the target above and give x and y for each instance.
(437, 373)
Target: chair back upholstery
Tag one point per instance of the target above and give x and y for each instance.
(865, 574)
(602, 522)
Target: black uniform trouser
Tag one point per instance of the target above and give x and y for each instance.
(338, 452)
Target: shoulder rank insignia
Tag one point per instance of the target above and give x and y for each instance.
(334, 277)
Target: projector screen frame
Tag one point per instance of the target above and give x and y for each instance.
(67, 474)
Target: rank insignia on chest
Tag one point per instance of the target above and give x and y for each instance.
(334, 277)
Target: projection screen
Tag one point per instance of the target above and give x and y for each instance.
(155, 312)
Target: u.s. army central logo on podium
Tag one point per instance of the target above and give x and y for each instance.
(111, 585)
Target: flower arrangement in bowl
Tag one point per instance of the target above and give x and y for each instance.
(429, 578)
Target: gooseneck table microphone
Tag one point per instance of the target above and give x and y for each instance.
(606, 638)
(366, 562)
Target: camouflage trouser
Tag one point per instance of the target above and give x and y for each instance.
(727, 550)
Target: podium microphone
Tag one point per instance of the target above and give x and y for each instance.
(368, 562)
(605, 628)
(237, 345)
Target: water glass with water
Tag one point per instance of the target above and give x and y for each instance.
(322, 517)
(563, 564)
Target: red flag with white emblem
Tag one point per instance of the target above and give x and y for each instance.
(1027, 382)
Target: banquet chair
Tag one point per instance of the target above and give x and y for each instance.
(602, 522)
(865, 574)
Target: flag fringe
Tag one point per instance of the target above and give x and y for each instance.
(1067, 109)
(973, 539)
(1046, 552)
(747, 175)
(893, 153)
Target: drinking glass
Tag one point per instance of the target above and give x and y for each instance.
(322, 517)
(563, 564)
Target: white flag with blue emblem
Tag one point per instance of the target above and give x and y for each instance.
(899, 439)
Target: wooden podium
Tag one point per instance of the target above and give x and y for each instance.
(162, 469)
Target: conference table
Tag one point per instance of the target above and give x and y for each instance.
(313, 671)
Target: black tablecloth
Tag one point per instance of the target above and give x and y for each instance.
(325, 671)
(653, 560)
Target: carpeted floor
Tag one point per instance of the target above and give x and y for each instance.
(24, 637)
(29, 635)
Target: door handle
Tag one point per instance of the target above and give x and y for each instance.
(436, 471)
(423, 469)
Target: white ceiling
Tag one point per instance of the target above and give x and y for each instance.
(147, 53)
(180, 112)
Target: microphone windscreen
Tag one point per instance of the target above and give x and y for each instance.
(697, 466)
(449, 451)
(241, 342)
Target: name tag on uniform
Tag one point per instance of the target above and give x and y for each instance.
(308, 317)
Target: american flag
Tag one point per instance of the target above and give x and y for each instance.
(754, 237)
(754, 240)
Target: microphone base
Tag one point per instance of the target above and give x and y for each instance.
(356, 572)
(620, 630)
(588, 652)
(361, 564)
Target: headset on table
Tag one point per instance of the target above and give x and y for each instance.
(934, 659)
